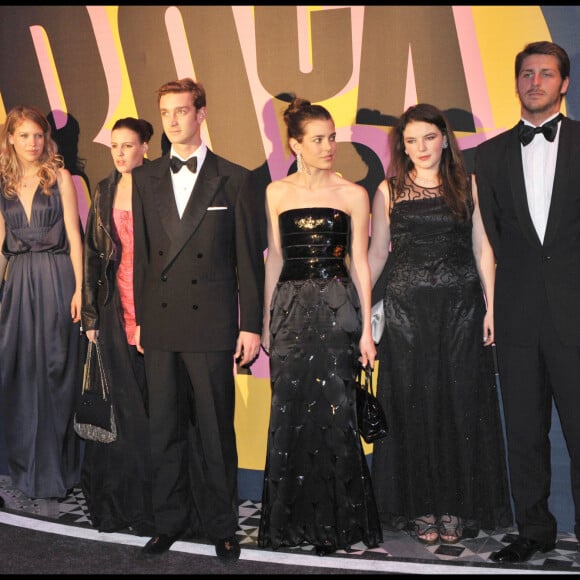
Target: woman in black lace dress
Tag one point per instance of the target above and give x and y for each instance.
(441, 472)
(317, 487)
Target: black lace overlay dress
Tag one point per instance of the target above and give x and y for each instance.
(445, 449)
(317, 487)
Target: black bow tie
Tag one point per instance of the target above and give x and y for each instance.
(177, 164)
(526, 133)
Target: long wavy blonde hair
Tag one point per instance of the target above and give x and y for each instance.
(10, 168)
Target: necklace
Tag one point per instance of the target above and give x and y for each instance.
(29, 181)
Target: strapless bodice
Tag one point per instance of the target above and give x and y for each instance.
(315, 242)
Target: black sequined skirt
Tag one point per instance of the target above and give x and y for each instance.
(317, 488)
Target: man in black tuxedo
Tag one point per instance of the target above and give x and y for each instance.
(528, 179)
(198, 283)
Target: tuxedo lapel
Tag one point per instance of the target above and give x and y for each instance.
(162, 189)
(518, 187)
(563, 162)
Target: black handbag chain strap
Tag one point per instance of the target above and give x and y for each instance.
(87, 371)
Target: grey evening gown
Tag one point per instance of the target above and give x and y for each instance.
(39, 349)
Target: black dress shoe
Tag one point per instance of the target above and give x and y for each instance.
(160, 543)
(521, 550)
(228, 549)
(324, 550)
(2, 503)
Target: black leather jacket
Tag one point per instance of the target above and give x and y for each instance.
(99, 248)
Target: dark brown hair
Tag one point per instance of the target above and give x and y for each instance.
(143, 128)
(299, 113)
(456, 188)
(547, 48)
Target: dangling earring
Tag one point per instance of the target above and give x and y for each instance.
(300, 165)
(299, 162)
(445, 144)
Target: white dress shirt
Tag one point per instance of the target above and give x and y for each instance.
(184, 180)
(539, 160)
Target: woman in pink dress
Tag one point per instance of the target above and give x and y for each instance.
(116, 478)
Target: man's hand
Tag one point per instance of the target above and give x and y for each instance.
(247, 348)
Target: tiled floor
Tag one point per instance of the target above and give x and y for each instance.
(398, 546)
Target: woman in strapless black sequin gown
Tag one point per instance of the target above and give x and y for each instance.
(317, 488)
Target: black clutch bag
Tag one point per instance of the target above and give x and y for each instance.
(372, 423)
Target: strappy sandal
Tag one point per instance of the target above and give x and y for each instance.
(425, 529)
(450, 529)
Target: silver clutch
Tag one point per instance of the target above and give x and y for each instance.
(378, 321)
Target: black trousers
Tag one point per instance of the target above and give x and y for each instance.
(193, 442)
(531, 377)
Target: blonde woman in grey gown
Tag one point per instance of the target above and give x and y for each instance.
(41, 306)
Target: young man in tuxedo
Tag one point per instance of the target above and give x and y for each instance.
(528, 179)
(198, 283)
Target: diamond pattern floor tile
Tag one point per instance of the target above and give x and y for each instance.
(397, 545)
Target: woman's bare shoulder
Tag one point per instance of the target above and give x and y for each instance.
(281, 186)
